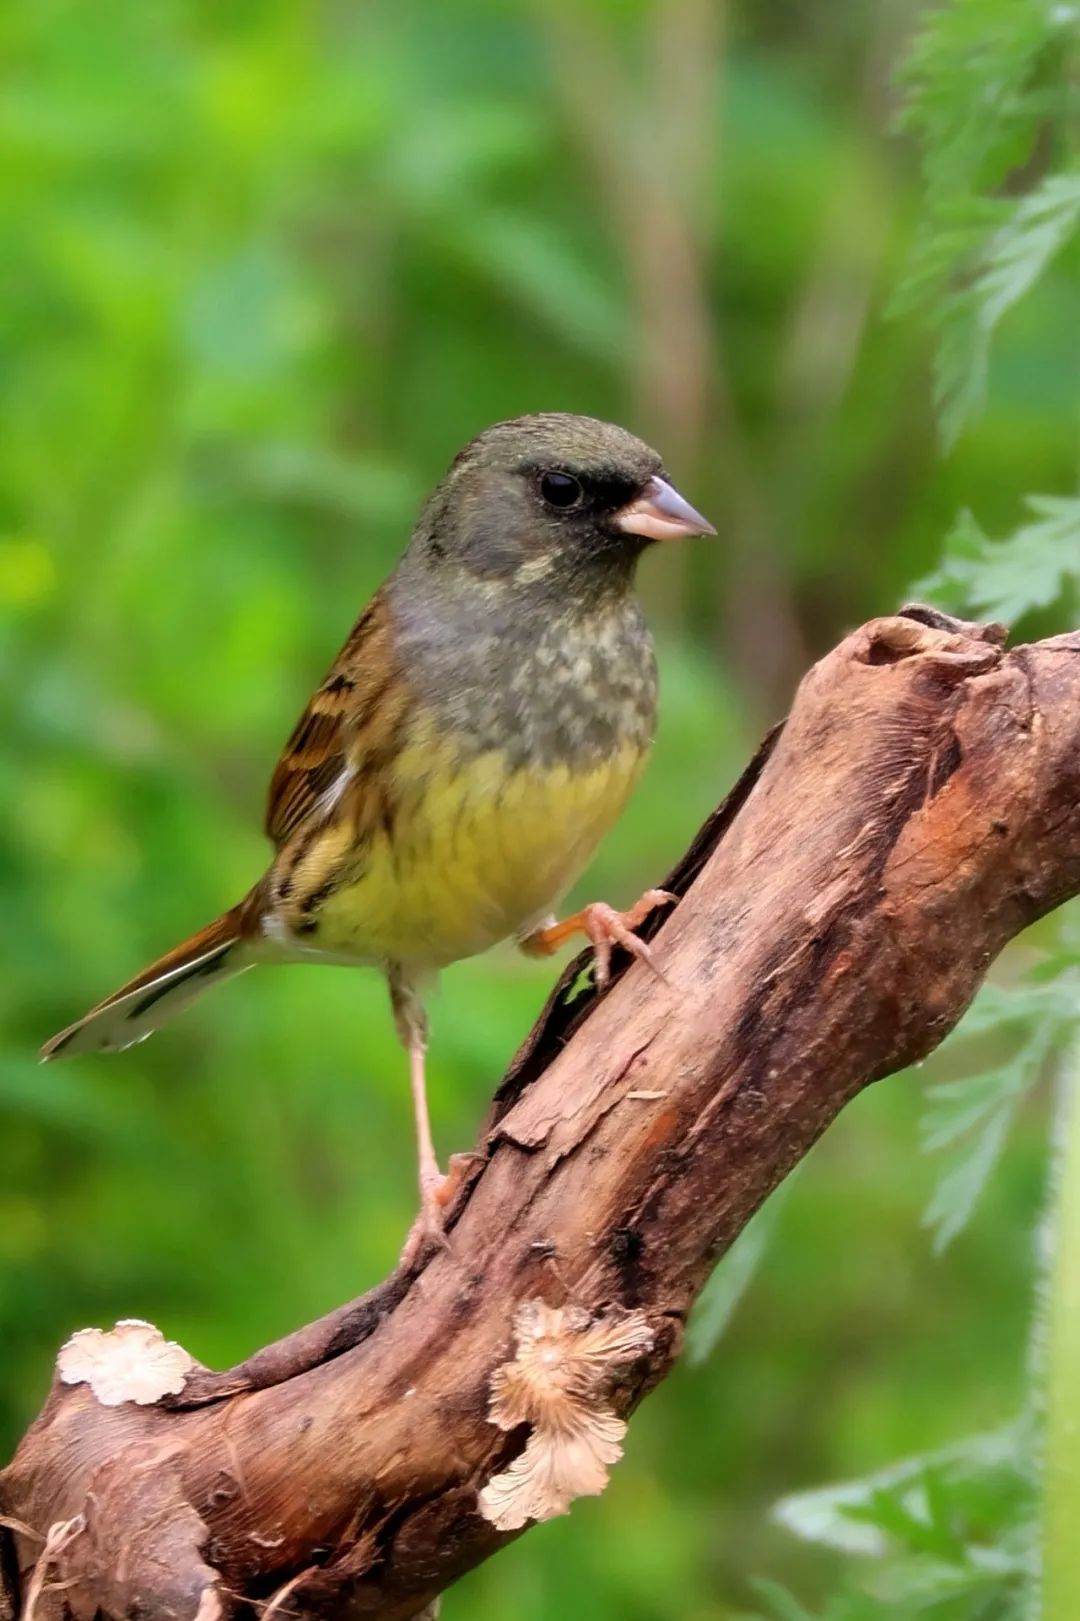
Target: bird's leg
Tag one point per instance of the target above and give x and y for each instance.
(412, 1027)
(605, 928)
(431, 1178)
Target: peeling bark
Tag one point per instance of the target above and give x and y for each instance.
(920, 806)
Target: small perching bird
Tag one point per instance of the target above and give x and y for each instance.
(475, 738)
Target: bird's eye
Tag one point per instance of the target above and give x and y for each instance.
(560, 489)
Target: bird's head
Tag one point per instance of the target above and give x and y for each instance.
(553, 497)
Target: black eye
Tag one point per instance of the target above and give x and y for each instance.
(560, 489)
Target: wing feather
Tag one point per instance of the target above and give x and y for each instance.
(326, 752)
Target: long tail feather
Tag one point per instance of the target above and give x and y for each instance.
(146, 1002)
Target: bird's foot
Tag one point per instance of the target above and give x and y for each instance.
(605, 928)
(428, 1229)
(436, 1195)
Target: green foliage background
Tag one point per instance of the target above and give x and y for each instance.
(263, 267)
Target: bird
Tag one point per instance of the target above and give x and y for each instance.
(479, 732)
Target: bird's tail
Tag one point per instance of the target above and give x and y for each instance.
(146, 1002)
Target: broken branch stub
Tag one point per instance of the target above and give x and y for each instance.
(918, 808)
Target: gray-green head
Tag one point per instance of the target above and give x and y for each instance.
(549, 497)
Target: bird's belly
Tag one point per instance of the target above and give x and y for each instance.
(476, 852)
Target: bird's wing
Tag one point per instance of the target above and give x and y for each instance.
(335, 743)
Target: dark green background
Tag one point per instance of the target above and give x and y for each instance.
(263, 267)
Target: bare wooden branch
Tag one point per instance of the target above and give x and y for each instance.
(918, 809)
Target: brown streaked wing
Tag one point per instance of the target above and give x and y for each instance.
(323, 742)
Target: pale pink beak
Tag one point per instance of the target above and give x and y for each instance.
(660, 513)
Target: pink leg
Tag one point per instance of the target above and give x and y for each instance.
(431, 1178)
(435, 1189)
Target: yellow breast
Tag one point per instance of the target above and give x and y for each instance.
(477, 851)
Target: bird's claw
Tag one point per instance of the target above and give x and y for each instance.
(428, 1228)
(607, 928)
(436, 1193)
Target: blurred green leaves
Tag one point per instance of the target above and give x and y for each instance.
(949, 1534)
(720, 1297)
(992, 101)
(1036, 567)
(999, 268)
(968, 1120)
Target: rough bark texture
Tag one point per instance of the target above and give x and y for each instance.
(919, 807)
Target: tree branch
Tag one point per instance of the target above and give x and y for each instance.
(920, 806)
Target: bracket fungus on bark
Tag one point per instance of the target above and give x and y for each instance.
(558, 1382)
(132, 1362)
